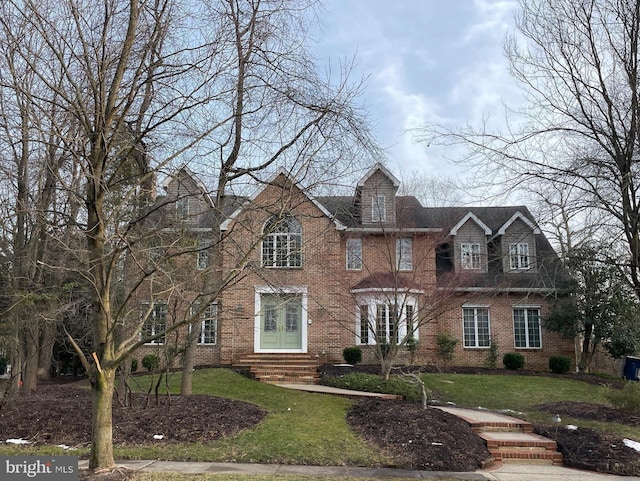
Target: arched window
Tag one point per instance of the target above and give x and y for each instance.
(282, 242)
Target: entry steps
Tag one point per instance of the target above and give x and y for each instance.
(509, 439)
(280, 368)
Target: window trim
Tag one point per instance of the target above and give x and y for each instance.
(202, 259)
(283, 244)
(354, 256)
(476, 327)
(153, 323)
(404, 254)
(378, 208)
(182, 207)
(526, 309)
(209, 314)
(374, 304)
(519, 256)
(470, 255)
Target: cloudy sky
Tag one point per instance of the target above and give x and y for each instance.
(427, 61)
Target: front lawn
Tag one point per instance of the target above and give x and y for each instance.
(301, 428)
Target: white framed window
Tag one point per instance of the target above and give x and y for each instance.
(209, 328)
(519, 256)
(404, 254)
(476, 326)
(378, 209)
(203, 255)
(363, 328)
(155, 323)
(182, 208)
(526, 327)
(354, 254)
(282, 242)
(379, 322)
(470, 255)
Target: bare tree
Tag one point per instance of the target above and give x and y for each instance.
(141, 85)
(578, 65)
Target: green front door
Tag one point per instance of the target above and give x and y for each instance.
(280, 322)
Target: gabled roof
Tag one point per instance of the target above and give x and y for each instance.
(174, 177)
(523, 218)
(281, 172)
(384, 170)
(492, 218)
(474, 218)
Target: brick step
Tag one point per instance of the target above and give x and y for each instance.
(284, 379)
(521, 447)
(512, 455)
(288, 367)
(280, 368)
(496, 440)
(506, 427)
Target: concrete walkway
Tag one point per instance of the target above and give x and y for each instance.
(506, 472)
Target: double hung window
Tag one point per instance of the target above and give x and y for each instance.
(404, 254)
(354, 254)
(378, 210)
(203, 254)
(519, 256)
(470, 256)
(209, 328)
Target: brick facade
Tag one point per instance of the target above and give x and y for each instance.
(290, 289)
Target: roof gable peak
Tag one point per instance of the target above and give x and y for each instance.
(470, 216)
(386, 172)
(523, 218)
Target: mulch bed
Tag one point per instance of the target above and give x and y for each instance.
(584, 448)
(61, 414)
(426, 439)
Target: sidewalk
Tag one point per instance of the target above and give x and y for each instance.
(506, 472)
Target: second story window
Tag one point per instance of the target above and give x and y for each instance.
(203, 255)
(282, 242)
(470, 256)
(354, 254)
(519, 256)
(182, 208)
(378, 211)
(404, 254)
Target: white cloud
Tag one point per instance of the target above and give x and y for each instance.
(428, 62)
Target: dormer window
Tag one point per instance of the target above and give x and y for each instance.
(470, 256)
(519, 256)
(378, 211)
(282, 242)
(182, 208)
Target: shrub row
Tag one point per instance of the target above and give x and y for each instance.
(359, 381)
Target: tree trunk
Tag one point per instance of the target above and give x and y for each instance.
(48, 336)
(30, 365)
(123, 389)
(189, 359)
(102, 389)
(585, 358)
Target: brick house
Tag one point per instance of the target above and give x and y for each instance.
(308, 276)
